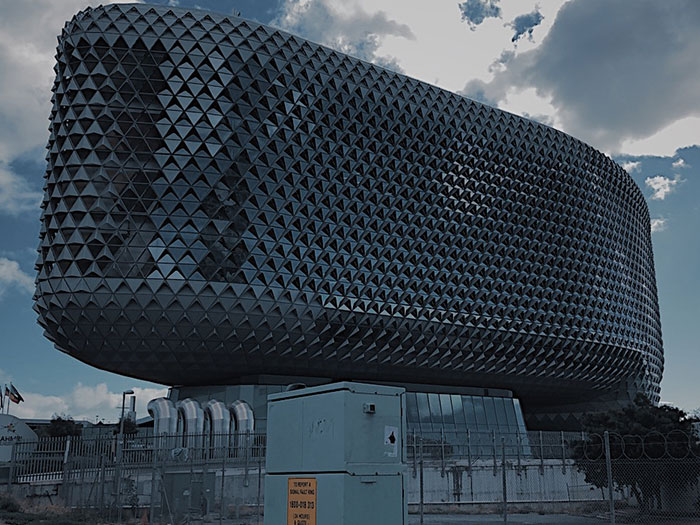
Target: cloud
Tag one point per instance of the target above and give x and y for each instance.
(658, 225)
(12, 276)
(616, 72)
(632, 165)
(662, 186)
(680, 163)
(28, 32)
(474, 12)
(525, 24)
(344, 26)
(16, 194)
(665, 143)
(83, 402)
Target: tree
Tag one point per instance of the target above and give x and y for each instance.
(129, 426)
(651, 447)
(61, 426)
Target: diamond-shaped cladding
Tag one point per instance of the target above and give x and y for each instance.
(225, 199)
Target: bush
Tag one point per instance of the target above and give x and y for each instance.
(8, 504)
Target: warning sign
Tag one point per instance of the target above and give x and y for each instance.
(391, 441)
(301, 501)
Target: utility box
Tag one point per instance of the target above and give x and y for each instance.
(335, 455)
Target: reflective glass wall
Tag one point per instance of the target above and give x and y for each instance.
(459, 420)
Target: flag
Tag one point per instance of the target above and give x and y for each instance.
(15, 396)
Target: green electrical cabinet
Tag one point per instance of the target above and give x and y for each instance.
(335, 456)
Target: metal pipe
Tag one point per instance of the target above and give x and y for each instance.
(217, 419)
(192, 416)
(243, 417)
(164, 415)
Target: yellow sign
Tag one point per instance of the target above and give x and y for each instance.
(301, 501)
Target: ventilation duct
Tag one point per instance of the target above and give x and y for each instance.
(243, 419)
(164, 415)
(217, 422)
(190, 422)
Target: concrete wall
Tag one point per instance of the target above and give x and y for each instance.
(552, 480)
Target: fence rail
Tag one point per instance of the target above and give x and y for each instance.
(215, 477)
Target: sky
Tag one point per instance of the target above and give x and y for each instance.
(621, 75)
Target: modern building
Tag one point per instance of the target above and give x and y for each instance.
(230, 208)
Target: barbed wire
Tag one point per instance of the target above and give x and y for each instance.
(654, 445)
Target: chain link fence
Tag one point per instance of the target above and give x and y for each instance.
(167, 479)
(617, 479)
(213, 479)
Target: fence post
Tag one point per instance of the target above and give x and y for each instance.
(469, 464)
(442, 453)
(66, 453)
(11, 473)
(505, 492)
(608, 467)
(541, 455)
(191, 452)
(257, 506)
(420, 449)
(469, 452)
(246, 481)
(493, 449)
(563, 452)
(223, 485)
(101, 495)
(415, 454)
(118, 476)
(519, 443)
(154, 466)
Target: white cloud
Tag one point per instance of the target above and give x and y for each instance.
(12, 276)
(83, 402)
(658, 225)
(530, 104)
(664, 143)
(344, 26)
(28, 32)
(16, 195)
(680, 163)
(632, 166)
(600, 84)
(445, 52)
(662, 186)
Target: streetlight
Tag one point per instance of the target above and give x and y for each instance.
(121, 419)
(120, 446)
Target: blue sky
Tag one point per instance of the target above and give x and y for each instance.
(621, 75)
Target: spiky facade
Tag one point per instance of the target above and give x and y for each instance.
(224, 200)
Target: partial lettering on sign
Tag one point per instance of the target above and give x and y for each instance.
(301, 501)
